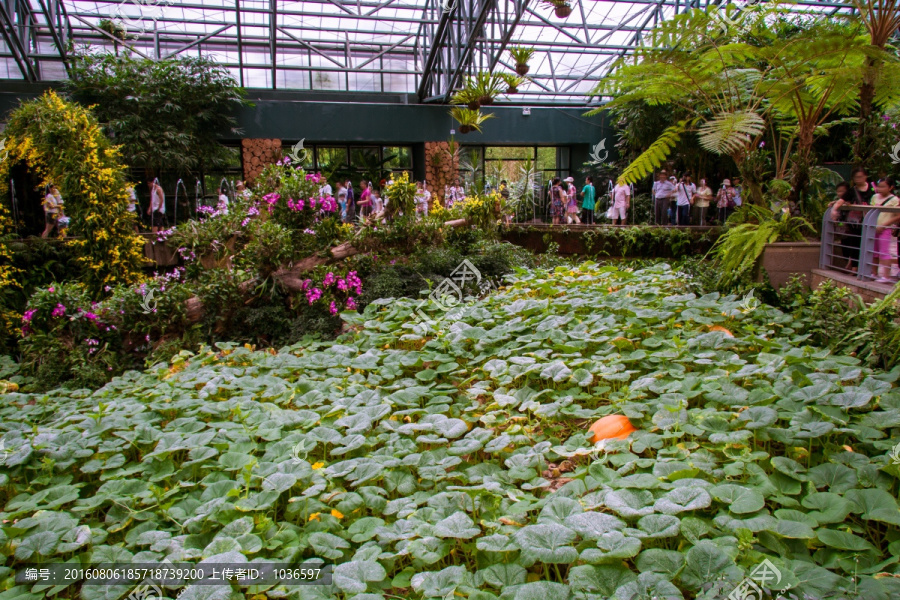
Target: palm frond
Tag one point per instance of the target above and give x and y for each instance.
(728, 133)
(654, 156)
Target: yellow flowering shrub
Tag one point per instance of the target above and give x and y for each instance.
(62, 143)
(10, 320)
(481, 210)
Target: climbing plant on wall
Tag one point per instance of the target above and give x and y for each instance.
(61, 142)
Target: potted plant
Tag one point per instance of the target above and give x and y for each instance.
(521, 55)
(487, 86)
(512, 82)
(560, 7)
(466, 96)
(469, 120)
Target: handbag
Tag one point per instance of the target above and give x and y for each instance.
(611, 212)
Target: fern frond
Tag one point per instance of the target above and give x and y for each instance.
(658, 151)
(728, 133)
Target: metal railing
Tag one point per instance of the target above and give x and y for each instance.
(856, 245)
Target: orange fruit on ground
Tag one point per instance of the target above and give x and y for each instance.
(611, 427)
(722, 329)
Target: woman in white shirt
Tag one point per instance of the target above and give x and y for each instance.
(157, 208)
(52, 205)
(423, 197)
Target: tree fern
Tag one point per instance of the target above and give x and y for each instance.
(654, 156)
(741, 247)
(727, 133)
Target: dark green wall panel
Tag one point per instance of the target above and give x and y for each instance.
(320, 122)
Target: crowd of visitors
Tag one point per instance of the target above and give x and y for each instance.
(860, 192)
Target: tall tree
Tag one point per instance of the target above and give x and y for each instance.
(882, 20)
(165, 114)
(794, 75)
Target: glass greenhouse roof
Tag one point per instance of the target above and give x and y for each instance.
(422, 47)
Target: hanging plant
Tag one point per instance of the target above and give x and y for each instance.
(512, 82)
(486, 86)
(469, 120)
(560, 7)
(467, 96)
(521, 56)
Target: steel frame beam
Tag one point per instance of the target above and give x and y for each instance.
(435, 42)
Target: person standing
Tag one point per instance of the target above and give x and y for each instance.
(724, 201)
(455, 193)
(701, 204)
(571, 202)
(53, 203)
(841, 229)
(589, 201)
(351, 202)
(885, 245)
(365, 199)
(738, 190)
(325, 189)
(423, 197)
(157, 208)
(558, 198)
(132, 207)
(242, 191)
(662, 192)
(621, 199)
(223, 201)
(341, 197)
(377, 203)
(684, 197)
(859, 193)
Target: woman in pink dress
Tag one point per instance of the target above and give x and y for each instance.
(572, 206)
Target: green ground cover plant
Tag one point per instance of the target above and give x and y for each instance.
(454, 461)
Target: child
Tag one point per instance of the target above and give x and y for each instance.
(377, 203)
(885, 247)
(62, 222)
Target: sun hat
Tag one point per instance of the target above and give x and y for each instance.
(726, 182)
(569, 180)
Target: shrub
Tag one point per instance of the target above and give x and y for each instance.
(61, 143)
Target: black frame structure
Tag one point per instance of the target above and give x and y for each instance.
(423, 48)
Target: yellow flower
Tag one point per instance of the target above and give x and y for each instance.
(314, 517)
(318, 466)
(336, 513)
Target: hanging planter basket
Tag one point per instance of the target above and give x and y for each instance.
(521, 68)
(512, 90)
(486, 100)
(562, 10)
(474, 105)
(465, 129)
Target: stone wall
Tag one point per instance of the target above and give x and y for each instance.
(441, 168)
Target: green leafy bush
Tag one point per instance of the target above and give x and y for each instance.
(430, 463)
